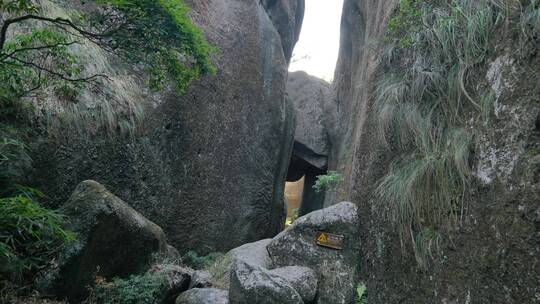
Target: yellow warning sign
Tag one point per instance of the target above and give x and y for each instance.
(329, 240)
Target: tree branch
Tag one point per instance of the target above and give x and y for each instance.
(59, 75)
(4, 56)
(56, 21)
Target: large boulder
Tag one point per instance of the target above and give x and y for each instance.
(309, 95)
(112, 240)
(252, 281)
(203, 296)
(336, 269)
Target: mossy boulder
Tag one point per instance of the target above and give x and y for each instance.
(113, 240)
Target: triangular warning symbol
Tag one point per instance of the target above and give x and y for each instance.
(322, 238)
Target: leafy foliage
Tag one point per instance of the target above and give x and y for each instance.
(17, 6)
(328, 181)
(29, 234)
(193, 260)
(137, 289)
(422, 104)
(160, 34)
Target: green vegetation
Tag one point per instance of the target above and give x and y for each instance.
(30, 235)
(406, 22)
(327, 182)
(423, 103)
(137, 289)
(193, 260)
(160, 34)
(361, 293)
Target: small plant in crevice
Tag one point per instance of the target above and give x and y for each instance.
(361, 294)
(327, 182)
(195, 261)
(423, 104)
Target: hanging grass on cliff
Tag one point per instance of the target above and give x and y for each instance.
(423, 105)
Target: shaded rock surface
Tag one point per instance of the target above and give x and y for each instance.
(213, 159)
(113, 240)
(336, 269)
(302, 279)
(203, 296)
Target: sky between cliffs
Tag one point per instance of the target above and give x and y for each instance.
(317, 50)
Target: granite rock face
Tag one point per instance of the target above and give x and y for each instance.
(213, 158)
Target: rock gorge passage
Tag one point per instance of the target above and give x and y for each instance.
(145, 149)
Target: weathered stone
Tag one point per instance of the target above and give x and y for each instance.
(203, 296)
(336, 269)
(200, 279)
(113, 240)
(255, 254)
(251, 284)
(302, 279)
